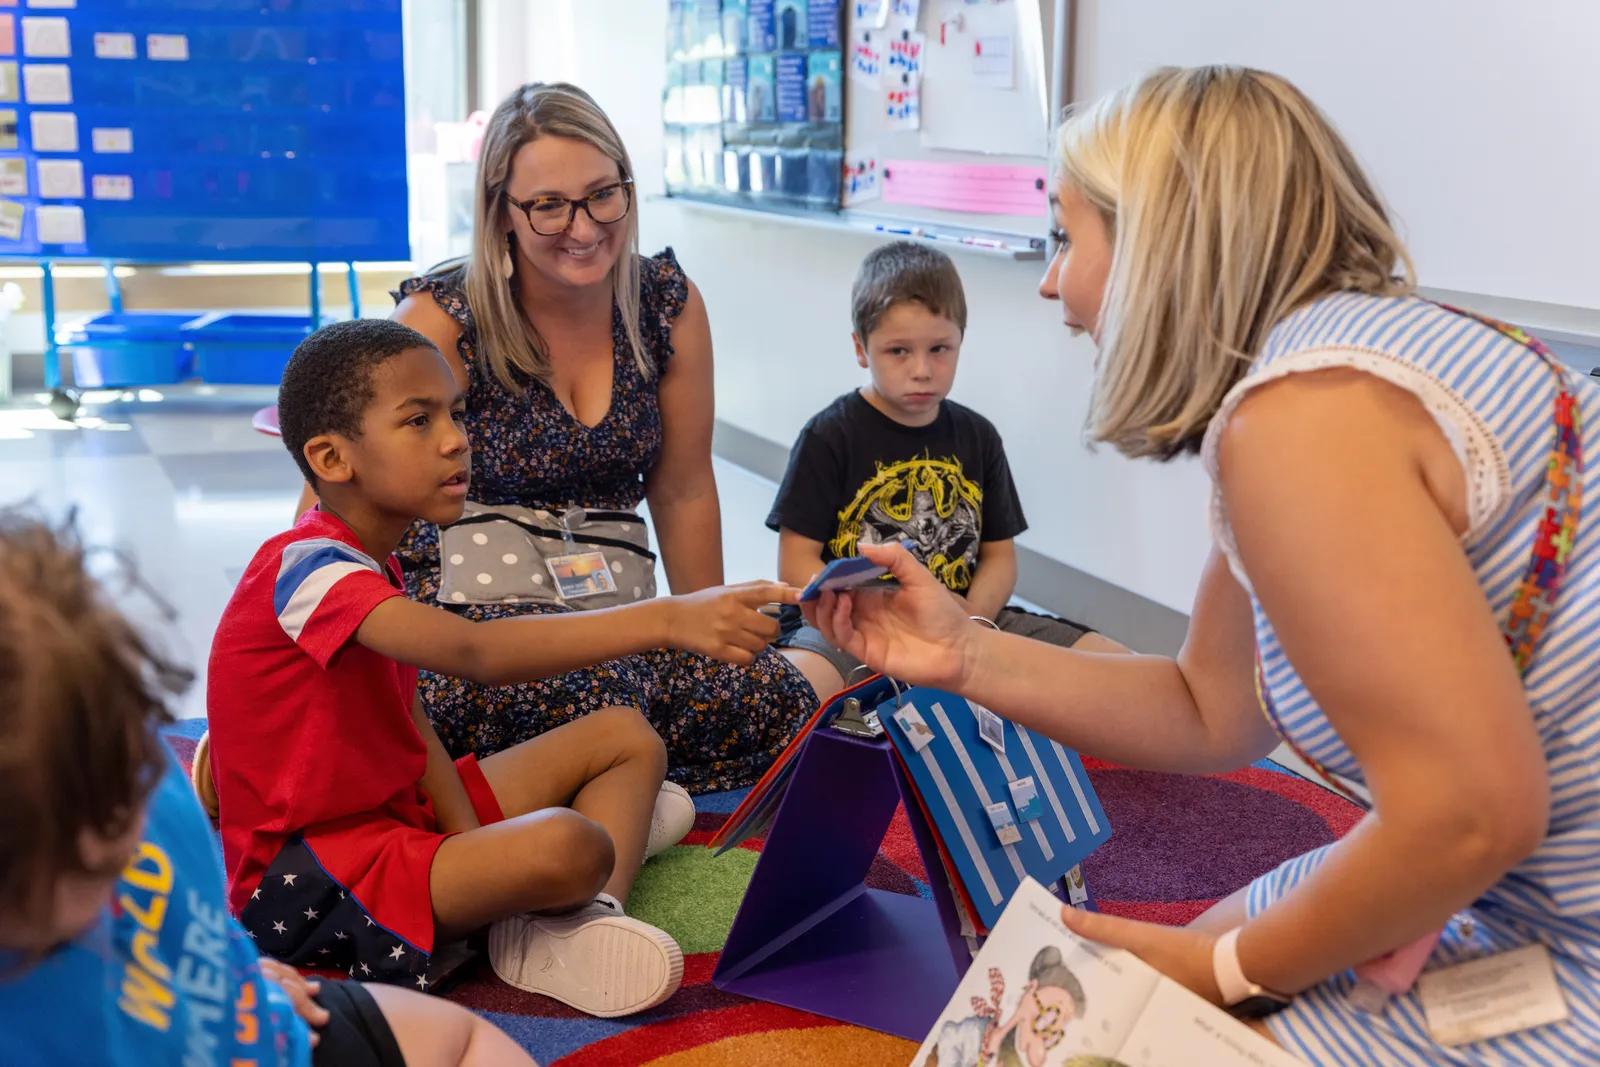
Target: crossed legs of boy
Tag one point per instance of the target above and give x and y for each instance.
(552, 878)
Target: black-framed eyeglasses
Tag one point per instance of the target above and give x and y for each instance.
(549, 216)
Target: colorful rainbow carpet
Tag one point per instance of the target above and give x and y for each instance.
(1180, 844)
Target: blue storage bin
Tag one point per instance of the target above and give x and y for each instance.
(245, 349)
(129, 348)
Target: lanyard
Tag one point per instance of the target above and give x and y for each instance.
(1552, 544)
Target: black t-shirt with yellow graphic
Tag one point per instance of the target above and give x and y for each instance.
(857, 475)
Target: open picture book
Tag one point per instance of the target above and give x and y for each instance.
(1037, 995)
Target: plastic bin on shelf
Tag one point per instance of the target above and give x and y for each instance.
(128, 348)
(239, 349)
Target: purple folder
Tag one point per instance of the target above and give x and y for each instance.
(810, 935)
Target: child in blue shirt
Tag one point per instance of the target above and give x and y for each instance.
(116, 946)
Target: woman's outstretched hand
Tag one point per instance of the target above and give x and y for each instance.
(916, 632)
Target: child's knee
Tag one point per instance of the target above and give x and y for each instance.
(576, 855)
(633, 735)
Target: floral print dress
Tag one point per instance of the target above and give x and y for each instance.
(723, 725)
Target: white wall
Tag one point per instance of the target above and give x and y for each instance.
(780, 315)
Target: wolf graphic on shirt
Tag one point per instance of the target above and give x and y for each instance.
(929, 502)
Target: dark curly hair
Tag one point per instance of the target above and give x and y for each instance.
(81, 695)
(327, 383)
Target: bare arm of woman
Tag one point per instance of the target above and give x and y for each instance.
(420, 312)
(1196, 714)
(1351, 540)
(681, 488)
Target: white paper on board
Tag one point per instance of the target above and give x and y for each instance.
(11, 216)
(60, 179)
(115, 46)
(994, 62)
(45, 37)
(60, 225)
(903, 106)
(173, 46)
(53, 4)
(53, 131)
(113, 187)
(108, 139)
(13, 177)
(873, 13)
(46, 83)
(863, 176)
(866, 57)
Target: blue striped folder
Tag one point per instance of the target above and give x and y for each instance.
(958, 776)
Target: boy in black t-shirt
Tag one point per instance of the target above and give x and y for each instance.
(895, 460)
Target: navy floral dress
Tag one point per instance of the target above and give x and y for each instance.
(722, 725)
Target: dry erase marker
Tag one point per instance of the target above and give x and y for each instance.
(984, 242)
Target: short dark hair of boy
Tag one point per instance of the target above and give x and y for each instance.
(901, 272)
(327, 383)
(81, 696)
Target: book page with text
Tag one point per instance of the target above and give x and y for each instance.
(1180, 1029)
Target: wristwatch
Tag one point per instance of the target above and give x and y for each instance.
(1241, 997)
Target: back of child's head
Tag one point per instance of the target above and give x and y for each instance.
(327, 383)
(903, 272)
(81, 695)
(1230, 200)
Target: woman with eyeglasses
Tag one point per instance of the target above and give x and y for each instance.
(588, 375)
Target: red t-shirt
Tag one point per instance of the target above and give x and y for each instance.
(311, 733)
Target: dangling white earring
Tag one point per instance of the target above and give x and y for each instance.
(507, 267)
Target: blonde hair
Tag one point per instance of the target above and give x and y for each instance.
(507, 342)
(1231, 201)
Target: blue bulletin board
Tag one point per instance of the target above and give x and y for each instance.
(194, 130)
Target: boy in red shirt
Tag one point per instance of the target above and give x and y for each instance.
(350, 838)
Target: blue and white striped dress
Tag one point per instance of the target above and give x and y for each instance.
(1494, 401)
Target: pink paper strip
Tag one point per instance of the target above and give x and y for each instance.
(970, 187)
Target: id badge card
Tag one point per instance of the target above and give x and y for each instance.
(581, 574)
(1492, 996)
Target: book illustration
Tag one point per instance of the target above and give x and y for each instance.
(1080, 1005)
(1049, 1002)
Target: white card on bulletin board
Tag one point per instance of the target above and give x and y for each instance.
(109, 139)
(961, 110)
(45, 37)
(866, 57)
(115, 46)
(13, 177)
(53, 131)
(46, 83)
(60, 179)
(61, 4)
(171, 46)
(863, 176)
(59, 225)
(873, 13)
(113, 187)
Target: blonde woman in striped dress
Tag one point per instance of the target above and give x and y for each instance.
(1397, 500)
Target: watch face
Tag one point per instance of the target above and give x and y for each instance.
(1257, 1007)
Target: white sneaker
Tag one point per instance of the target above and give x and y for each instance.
(671, 821)
(596, 959)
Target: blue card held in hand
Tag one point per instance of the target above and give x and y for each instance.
(846, 573)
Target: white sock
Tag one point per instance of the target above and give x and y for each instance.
(610, 901)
